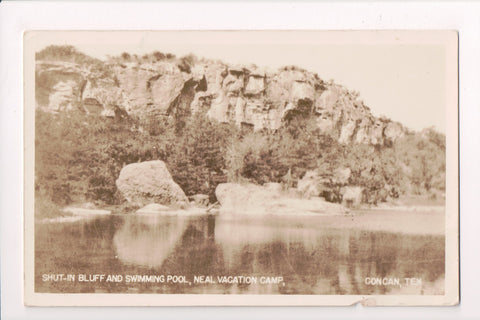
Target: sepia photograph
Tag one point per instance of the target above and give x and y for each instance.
(241, 168)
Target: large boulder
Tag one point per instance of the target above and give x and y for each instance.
(150, 182)
(250, 199)
(244, 198)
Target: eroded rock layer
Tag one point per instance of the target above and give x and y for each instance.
(245, 95)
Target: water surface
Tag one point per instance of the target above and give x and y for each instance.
(311, 254)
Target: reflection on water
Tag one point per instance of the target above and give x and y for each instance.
(312, 256)
(147, 240)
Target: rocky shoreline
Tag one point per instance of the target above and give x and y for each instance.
(74, 215)
(149, 189)
(284, 205)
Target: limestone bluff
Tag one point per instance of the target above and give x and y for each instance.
(247, 95)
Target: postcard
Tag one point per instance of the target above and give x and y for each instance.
(241, 168)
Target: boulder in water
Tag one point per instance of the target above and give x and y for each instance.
(260, 200)
(150, 182)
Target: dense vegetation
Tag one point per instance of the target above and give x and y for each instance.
(79, 156)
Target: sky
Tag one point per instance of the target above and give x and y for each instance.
(401, 75)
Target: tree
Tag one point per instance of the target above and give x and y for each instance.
(197, 161)
(298, 145)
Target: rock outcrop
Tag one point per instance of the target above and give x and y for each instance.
(250, 199)
(244, 95)
(149, 182)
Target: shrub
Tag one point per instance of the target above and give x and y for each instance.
(66, 53)
(158, 55)
(186, 63)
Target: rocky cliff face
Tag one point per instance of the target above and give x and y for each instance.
(245, 95)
